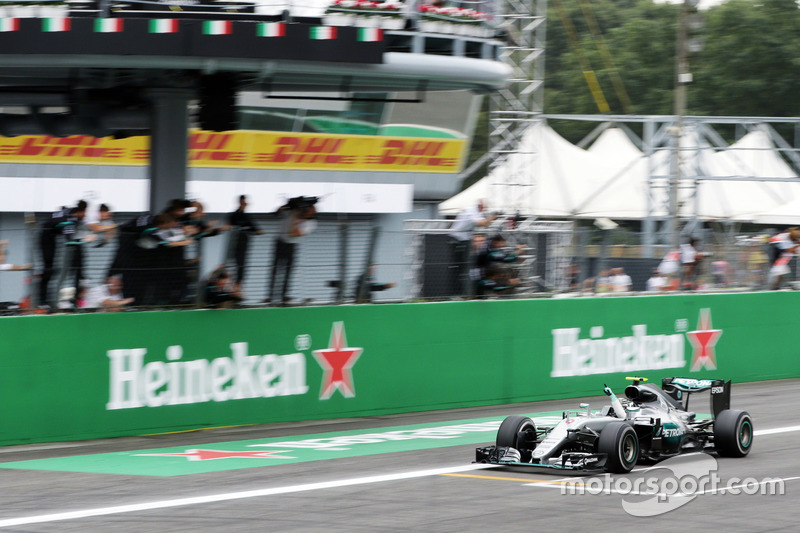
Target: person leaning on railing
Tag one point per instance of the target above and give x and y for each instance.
(9, 266)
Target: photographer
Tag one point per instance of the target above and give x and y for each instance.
(297, 219)
(460, 238)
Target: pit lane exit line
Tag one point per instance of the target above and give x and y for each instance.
(214, 498)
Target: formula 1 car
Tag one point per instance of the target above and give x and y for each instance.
(649, 425)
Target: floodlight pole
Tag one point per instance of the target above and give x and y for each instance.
(682, 78)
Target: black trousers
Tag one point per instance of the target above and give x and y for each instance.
(47, 247)
(281, 269)
(240, 256)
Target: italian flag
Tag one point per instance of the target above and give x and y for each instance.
(370, 34)
(9, 24)
(217, 27)
(163, 26)
(323, 32)
(108, 25)
(271, 29)
(56, 24)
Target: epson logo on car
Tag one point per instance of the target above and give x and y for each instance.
(717, 390)
(692, 383)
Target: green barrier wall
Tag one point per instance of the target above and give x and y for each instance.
(87, 376)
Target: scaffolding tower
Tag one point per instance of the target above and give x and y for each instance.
(514, 108)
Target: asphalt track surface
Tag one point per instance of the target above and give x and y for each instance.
(430, 490)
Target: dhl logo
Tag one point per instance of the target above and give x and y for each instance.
(247, 149)
(78, 146)
(309, 150)
(205, 146)
(412, 153)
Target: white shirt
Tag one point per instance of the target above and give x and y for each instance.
(656, 283)
(464, 224)
(99, 294)
(620, 283)
(688, 253)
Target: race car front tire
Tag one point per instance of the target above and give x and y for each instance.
(619, 442)
(733, 433)
(508, 435)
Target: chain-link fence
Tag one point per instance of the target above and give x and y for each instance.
(540, 258)
(347, 259)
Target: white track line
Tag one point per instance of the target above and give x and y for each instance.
(164, 504)
(773, 431)
(197, 500)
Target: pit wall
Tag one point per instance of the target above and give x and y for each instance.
(72, 377)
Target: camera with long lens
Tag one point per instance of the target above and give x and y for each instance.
(301, 202)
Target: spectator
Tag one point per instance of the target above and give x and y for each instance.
(203, 228)
(366, 285)
(240, 240)
(62, 222)
(9, 266)
(656, 282)
(101, 222)
(496, 281)
(572, 277)
(719, 271)
(690, 262)
(476, 272)
(602, 282)
(108, 296)
(133, 258)
(219, 294)
(460, 238)
(297, 220)
(782, 247)
(619, 281)
(498, 258)
(169, 272)
(195, 218)
(77, 238)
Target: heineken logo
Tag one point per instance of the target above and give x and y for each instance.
(178, 380)
(577, 355)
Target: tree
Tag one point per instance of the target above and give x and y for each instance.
(749, 66)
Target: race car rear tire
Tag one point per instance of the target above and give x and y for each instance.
(733, 433)
(619, 442)
(508, 435)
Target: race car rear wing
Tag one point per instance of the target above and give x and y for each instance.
(681, 388)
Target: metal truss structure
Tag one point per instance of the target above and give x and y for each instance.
(515, 107)
(697, 134)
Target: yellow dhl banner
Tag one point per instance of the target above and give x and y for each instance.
(250, 149)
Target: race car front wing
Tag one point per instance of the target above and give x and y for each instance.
(568, 462)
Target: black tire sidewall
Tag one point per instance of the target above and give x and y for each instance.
(509, 429)
(727, 430)
(611, 441)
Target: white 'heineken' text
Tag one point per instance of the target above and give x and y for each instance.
(577, 357)
(135, 384)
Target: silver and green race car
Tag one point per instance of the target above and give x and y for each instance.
(648, 425)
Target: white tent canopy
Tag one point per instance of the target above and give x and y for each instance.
(610, 180)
